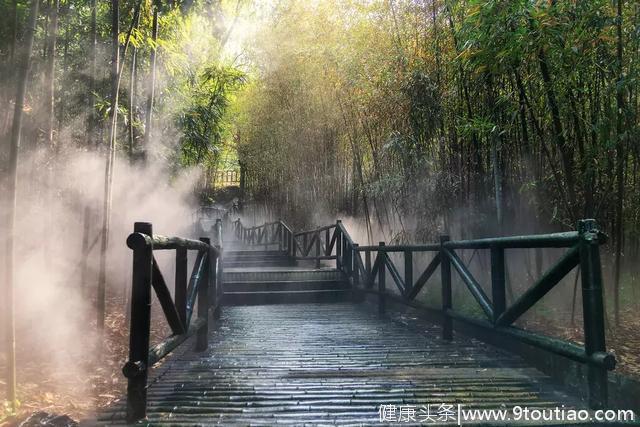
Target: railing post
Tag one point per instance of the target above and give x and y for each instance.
(213, 288)
(202, 338)
(214, 234)
(317, 249)
(274, 233)
(408, 271)
(498, 282)
(218, 240)
(348, 252)
(280, 236)
(357, 275)
(181, 285)
(356, 268)
(367, 260)
(447, 297)
(338, 245)
(304, 245)
(217, 313)
(136, 369)
(352, 255)
(382, 276)
(292, 244)
(593, 310)
(327, 242)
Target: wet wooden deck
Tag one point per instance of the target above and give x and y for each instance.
(331, 364)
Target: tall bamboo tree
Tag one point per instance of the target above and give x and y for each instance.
(24, 65)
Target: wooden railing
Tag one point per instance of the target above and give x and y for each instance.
(331, 242)
(326, 243)
(202, 225)
(269, 234)
(227, 177)
(369, 275)
(204, 288)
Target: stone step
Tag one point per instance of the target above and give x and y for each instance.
(280, 274)
(283, 285)
(253, 253)
(286, 297)
(252, 263)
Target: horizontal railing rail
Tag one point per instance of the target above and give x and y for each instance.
(202, 291)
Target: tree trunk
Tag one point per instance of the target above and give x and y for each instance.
(50, 76)
(566, 152)
(12, 185)
(132, 99)
(108, 173)
(620, 163)
(495, 158)
(64, 70)
(49, 112)
(116, 73)
(152, 82)
(92, 78)
(477, 171)
(14, 31)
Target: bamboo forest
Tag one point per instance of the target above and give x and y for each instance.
(383, 212)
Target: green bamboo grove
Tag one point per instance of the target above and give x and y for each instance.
(478, 117)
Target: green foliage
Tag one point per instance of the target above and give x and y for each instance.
(202, 122)
(419, 109)
(394, 110)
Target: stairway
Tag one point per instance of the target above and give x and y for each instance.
(256, 259)
(253, 277)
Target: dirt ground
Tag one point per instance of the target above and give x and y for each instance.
(622, 340)
(92, 383)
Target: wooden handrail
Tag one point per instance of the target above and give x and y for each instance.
(204, 281)
(268, 234)
(582, 251)
(315, 230)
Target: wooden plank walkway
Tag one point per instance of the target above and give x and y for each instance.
(331, 364)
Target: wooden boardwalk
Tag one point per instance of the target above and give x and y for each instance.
(331, 364)
(299, 343)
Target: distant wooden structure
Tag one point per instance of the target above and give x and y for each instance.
(227, 178)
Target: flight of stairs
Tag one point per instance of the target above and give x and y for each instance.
(272, 277)
(256, 258)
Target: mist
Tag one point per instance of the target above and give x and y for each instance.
(55, 311)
